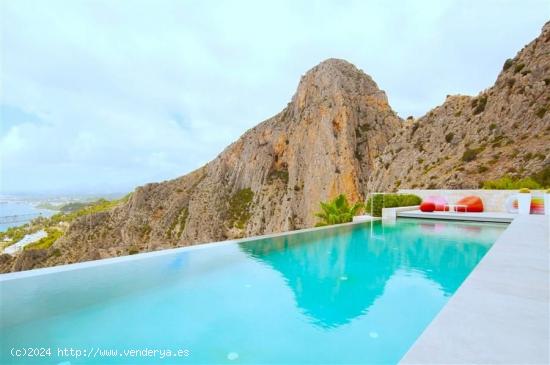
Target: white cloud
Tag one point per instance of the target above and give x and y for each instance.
(127, 92)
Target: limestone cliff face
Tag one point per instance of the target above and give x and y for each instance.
(337, 135)
(270, 180)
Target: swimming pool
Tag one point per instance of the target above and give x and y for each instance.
(349, 294)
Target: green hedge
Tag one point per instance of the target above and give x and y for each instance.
(379, 201)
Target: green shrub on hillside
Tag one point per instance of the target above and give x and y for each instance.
(482, 168)
(376, 202)
(507, 64)
(509, 183)
(98, 206)
(45, 242)
(542, 176)
(541, 111)
(479, 104)
(15, 234)
(71, 207)
(470, 154)
(519, 67)
(538, 180)
(179, 223)
(281, 175)
(239, 208)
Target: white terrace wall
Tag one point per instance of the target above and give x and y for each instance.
(493, 200)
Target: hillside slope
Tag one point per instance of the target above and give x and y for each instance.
(504, 130)
(337, 135)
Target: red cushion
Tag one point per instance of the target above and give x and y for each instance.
(438, 201)
(472, 202)
(427, 206)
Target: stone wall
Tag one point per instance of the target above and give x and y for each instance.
(493, 200)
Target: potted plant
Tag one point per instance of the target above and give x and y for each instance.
(547, 202)
(524, 201)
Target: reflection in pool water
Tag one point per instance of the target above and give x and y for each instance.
(316, 266)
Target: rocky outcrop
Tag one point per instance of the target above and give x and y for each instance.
(272, 179)
(504, 130)
(337, 135)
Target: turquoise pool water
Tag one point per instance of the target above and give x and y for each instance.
(351, 294)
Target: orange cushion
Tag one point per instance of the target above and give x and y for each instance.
(427, 206)
(472, 202)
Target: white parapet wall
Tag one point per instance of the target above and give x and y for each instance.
(364, 218)
(493, 200)
(391, 213)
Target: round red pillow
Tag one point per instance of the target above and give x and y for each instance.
(470, 204)
(427, 206)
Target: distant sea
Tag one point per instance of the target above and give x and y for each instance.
(26, 211)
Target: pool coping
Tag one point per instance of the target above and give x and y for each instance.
(464, 216)
(500, 313)
(168, 251)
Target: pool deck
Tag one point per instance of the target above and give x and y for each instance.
(500, 314)
(477, 217)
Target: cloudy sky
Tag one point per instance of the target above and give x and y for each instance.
(101, 96)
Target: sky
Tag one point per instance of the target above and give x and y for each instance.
(103, 96)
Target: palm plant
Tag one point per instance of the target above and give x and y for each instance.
(337, 211)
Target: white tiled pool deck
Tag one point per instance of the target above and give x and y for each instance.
(500, 314)
(478, 217)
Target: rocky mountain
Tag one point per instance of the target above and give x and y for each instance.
(503, 130)
(337, 135)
